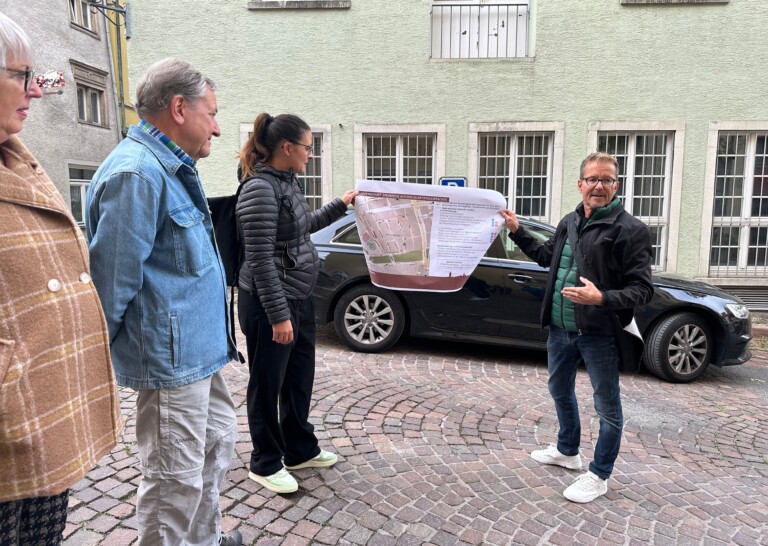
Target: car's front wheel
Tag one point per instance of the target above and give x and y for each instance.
(369, 319)
(679, 348)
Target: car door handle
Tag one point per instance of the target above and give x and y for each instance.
(522, 279)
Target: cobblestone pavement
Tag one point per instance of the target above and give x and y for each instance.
(434, 441)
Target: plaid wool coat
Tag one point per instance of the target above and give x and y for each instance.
(59, 407)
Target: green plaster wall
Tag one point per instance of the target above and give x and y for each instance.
(594, 60)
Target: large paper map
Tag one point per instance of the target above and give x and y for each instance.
(424, 237)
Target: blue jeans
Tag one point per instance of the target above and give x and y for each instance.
(565, 351)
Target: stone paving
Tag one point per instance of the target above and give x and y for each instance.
(434, 439)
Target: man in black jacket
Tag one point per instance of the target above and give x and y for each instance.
(583, 307)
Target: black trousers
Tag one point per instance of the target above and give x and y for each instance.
(37, 521)
(281, 376)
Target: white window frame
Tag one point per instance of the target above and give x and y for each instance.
(556, 128)
(92, 81)
(674, 175)
(82, 184)
(715, 128)
(326, 155)
(360, 130)
(92, 95)
(463, 33)
(86, 21)
(674, 201)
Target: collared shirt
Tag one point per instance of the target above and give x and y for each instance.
(144, 125)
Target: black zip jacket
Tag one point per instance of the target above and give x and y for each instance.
(617, 251)
(280, 260)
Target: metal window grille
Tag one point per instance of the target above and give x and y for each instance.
(518, 165)
(478, 29)
(739, 244)
(79, 178)
(645, 174)
(406, 157)
(312, 179)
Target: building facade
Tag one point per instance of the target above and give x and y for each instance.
(74, 127)
(510, 95)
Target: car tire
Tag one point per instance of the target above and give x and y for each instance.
(679, 348)
(369, 319)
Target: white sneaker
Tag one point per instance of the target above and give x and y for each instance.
(552, 456)
(586, 488)
(324, 459)
(279, 482)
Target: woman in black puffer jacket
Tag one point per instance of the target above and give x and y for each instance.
(275, 306)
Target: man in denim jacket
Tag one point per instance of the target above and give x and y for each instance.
(156, 267)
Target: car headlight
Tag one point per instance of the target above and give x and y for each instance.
(737, 310)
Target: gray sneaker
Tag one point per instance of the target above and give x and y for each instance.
(233, 538)
(552, 456)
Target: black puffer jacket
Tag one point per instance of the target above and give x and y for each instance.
(616, 249)
(280, 260)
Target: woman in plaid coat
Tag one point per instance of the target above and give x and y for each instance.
(59, 409)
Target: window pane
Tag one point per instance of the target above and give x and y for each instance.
(312, 180)
(725, 246)
(758, 247)
(729, 181)
(95, 104)
(76, 202)
(531, 179)
(649, 178)
(85, 14)
(417, 158)
(494, 162)
(644, 174)
(760, 181)
(616, 145)
(81, 109)
(381, 161)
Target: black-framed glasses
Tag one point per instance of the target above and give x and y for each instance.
(592, 181)
(308, 147)
(28, 74)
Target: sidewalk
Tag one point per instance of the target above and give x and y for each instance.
(434, 440)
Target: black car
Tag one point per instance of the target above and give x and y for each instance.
(686, 326)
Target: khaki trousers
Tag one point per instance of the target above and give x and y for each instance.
(186, 438)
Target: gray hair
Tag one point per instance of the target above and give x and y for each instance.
(166, 79)
(600, 157)
(14, 42)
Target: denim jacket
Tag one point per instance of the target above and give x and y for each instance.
(156, 267)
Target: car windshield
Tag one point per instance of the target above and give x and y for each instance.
(540, 233)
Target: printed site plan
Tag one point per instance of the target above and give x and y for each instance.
(425, 237)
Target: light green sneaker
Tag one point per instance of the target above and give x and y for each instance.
(323, 459)
(279, 482)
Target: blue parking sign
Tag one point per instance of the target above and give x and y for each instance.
(455, 181)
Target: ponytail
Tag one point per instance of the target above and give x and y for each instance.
(267, 135)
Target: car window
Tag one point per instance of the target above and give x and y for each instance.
(348, 237)
(513, 251)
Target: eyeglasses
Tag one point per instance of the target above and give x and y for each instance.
(592, 181)
(28, 75)
(309, 148)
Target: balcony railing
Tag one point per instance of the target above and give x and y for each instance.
(479, 29)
